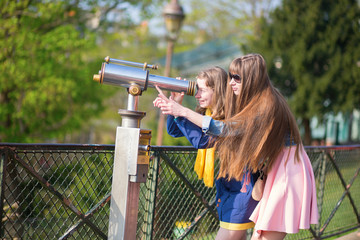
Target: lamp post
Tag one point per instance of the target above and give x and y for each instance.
(174, 16)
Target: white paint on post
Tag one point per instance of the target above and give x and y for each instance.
(124, 194)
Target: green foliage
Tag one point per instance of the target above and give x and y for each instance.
(313, 56)
(44, 86)
(317, 46)
(49, 51)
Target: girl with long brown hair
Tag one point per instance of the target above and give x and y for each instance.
(260, 133)
(211, 91)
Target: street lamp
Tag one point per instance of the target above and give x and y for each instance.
(174, 15)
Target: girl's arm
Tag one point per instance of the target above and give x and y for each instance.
(172, 127)
(194, 134)
(179, 127)
(171, 107)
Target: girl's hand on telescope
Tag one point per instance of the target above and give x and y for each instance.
(178, 97)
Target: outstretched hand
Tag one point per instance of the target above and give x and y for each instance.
(167, 106)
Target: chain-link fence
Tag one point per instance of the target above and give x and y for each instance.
(63, 192)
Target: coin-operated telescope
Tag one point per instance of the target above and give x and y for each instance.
(132, 144)
(136, 78)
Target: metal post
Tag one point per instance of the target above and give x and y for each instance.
(3, 160)
(148, 228)
(131, 163)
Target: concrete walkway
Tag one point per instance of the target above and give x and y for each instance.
(351, 236)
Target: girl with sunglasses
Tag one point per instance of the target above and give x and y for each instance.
(234, 220)
(260, 133)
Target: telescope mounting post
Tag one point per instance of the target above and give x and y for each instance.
(131, 162)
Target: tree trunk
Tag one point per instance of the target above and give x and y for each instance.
(307, 135)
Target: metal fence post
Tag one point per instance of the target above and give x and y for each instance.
(321, 190)
(151, 196)
(2, 182)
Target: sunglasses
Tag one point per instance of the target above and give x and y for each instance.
(236, 77)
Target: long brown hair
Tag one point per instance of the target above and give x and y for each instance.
(257, 121)
(216, 79)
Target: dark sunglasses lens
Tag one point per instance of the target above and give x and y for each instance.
(236, 77)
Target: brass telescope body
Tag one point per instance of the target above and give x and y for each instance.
(136, 80)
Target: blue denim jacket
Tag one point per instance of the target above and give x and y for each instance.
(212, 127)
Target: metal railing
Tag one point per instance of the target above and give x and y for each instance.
(62, 191)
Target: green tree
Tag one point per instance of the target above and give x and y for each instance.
(312, 50)
(49, 51)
